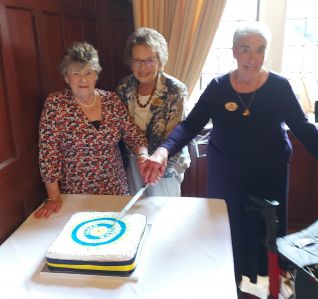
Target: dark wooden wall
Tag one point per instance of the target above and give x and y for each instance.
(116, 21)
(303, 187)
(33, 35)
(303, 183)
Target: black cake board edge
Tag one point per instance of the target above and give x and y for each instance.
(46, 272)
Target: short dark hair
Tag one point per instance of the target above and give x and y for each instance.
(80, 52)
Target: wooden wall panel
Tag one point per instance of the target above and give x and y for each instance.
(51, 46)
(118, 38)
(72, 30)
(312, 206)
(7, 148)
(33, 46)
(33, 36)
(90, 32)
(12, 207)
(23, 39)
(195, 181)
(89, 5)
(301, 168)
(303, 187)
(45, 5)
(11, 203)
(116, 21)
(71, 4)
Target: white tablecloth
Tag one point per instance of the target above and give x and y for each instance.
(187, 253)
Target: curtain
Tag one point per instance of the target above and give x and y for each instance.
(189, 27)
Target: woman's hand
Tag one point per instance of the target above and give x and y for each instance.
(54, 202)
(154, 167)
(141, 159)
(49, 207)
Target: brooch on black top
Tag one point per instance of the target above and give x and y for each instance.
(231, 106)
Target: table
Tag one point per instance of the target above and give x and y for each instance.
(187, 253)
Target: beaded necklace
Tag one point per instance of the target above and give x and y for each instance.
(150, 97)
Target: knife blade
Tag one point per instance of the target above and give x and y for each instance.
(138, 194)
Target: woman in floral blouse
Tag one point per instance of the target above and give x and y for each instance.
(80, 128)
(156, 102)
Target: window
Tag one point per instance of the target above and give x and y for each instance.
(297, 44)
(220, 59)
(300, 50)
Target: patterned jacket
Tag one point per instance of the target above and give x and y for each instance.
(167, 110)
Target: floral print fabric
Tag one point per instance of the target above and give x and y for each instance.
(82, 158)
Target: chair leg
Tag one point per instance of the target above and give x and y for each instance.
(273, 274)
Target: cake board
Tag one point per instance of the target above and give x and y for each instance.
(46, 272)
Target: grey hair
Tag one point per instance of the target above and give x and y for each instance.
(82, 53)
(254, 27)
(151, 38)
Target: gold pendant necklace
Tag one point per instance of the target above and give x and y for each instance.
(247, 111)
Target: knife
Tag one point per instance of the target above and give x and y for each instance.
(131, 202)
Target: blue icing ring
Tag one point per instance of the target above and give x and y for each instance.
(98, 231)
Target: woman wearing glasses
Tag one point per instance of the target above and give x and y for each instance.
(156, 103)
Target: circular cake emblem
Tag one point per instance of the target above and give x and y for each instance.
(98, 231)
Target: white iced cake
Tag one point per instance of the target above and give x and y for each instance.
(97, 243)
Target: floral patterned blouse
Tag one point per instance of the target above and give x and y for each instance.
(166, 109)
(81, 157)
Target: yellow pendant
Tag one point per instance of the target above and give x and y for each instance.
(246, 112)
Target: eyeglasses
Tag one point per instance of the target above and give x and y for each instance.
(147, 62)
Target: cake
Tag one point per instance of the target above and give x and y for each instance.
(98, 243)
